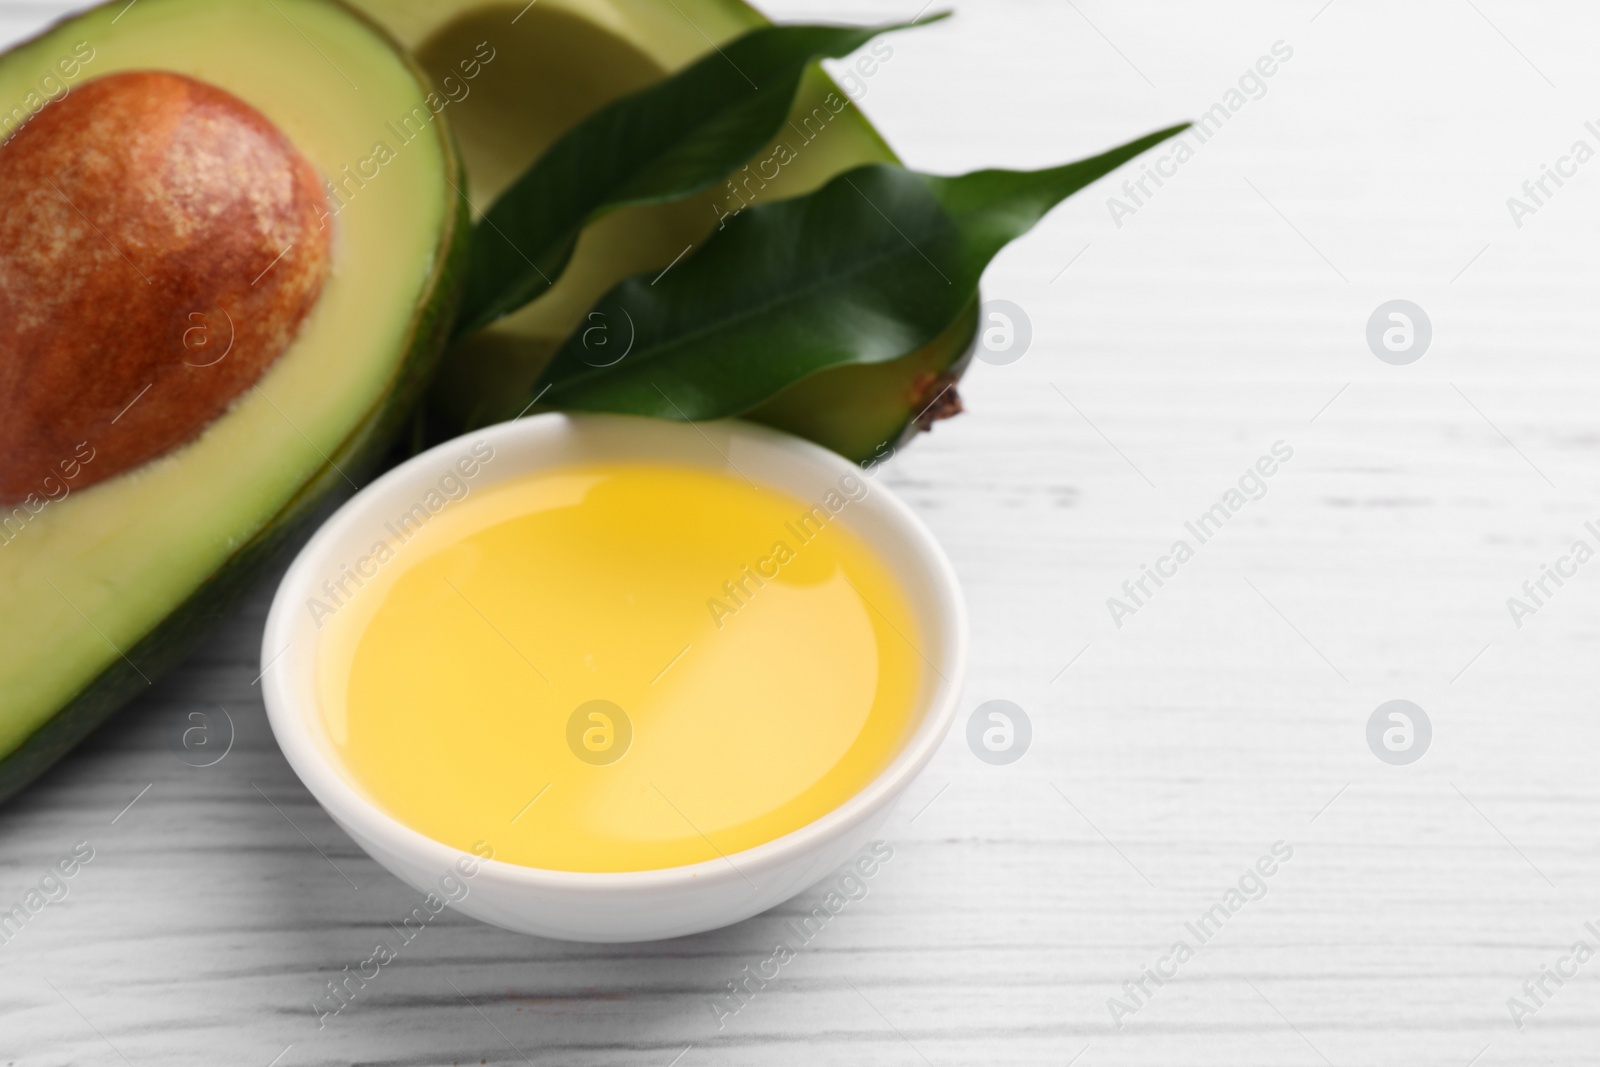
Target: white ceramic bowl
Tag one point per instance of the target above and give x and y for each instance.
(636, 905)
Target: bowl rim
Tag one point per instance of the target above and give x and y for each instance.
(367, 822)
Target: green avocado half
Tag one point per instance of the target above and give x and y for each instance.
(104, 588)
(557, 61)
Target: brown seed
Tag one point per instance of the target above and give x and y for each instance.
(161, 244)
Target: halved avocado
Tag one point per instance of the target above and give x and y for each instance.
(556, 62)
(104, 586)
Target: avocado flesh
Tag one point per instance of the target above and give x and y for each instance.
(572, 57)
(104, 588)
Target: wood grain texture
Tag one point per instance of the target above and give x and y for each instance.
(1225, 314)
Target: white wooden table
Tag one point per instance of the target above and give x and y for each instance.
(1226, 313)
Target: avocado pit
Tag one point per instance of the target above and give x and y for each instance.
(161, 245)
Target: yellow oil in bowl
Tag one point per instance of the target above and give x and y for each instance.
(619, 667)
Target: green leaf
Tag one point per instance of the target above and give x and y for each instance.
(869, 268)
(664, 142)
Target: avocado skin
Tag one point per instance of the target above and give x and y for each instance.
(867, 412)
(362, 453)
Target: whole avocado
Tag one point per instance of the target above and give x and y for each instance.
(573, 56)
